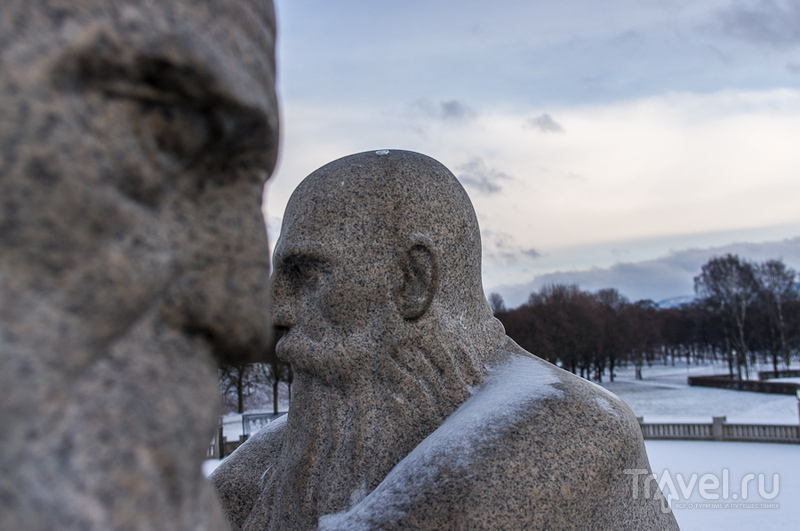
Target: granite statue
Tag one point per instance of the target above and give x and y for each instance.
(411, 408)
(135, 140)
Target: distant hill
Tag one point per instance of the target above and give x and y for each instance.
(674, 302)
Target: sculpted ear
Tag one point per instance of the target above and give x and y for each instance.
(420, 277)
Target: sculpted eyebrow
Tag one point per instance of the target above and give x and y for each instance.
(304, 255)
(176, 82)
(149, 79)
(165, 72)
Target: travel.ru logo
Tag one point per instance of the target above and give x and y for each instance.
(706, 491)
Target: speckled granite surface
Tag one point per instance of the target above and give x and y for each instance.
(135, 139)
(411, 409)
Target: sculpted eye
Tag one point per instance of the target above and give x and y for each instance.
(224, 142)
(184, 116)
(173, 136)
(305, 271)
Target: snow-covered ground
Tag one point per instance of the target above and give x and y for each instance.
(787, 380)
(721, 468)
(729, 463)
(665, 396)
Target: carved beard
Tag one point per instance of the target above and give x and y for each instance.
(341, 442)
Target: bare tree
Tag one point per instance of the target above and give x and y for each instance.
(728, 284)
(497, 304)
(236, 381)
(777, 286)
(643, 335)
(610, 311)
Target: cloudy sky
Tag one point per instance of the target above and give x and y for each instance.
(609, 143)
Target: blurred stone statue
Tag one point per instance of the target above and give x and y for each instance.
(411, 408)
(135, 140)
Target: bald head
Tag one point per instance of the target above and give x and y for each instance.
(398, 209)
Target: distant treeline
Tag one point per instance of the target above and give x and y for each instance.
(743, 311)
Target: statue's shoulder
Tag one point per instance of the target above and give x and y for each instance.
(541, 393)
(237, 480)
(569, 445)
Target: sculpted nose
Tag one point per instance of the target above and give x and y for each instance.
(227, 305)
(223, 294)
(282, 315)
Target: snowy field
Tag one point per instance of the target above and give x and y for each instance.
(715, 485)
(723, 467)
(664, 396)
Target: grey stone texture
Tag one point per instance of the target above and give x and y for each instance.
(135, 140)
(411, 408)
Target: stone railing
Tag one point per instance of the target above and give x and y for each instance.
(726, 382)
(720, 430)
(762, 433)
(677, 431)
(717, 430)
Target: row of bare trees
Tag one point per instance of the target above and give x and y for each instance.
(743, 312)
(252, 385)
